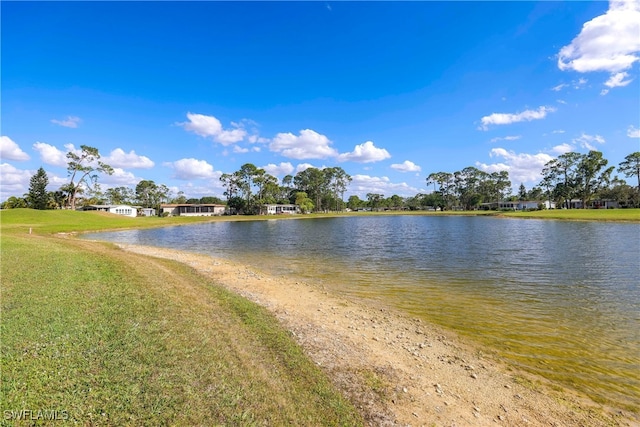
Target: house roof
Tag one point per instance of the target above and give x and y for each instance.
(112, 206)
(175, 205)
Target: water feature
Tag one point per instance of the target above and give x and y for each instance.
(557, 298)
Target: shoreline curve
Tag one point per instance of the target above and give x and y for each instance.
(398, 370)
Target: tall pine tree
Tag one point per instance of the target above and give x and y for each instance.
(38, 197)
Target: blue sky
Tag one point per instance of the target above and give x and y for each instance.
(181, 92)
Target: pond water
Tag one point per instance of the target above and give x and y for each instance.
(560, 299)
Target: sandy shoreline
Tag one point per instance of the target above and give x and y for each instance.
(398, 370)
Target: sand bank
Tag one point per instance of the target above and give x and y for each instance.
(398, 370)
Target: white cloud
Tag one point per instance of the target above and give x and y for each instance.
(191, 190)
(576, 84)
(406, 166)
(587, 141)
(240, 150)
(366, 152)
(51, 155)
(522, 167)
(363, 184)
(209, 126)
(69, 122)
(304, 166)
(253, 132)
(15, 182)
(120, 177)
(55, 181)
(256, 139)
(632, 132)
(562, 148)
(9, 150)
(119, 159)
(558, 131)
(307, 145)
(608, 42)
(506, 138)
(618, 80)
(191, 169)
(284, 168)
(508, 118)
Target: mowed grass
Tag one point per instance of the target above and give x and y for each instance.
(581, 214)
(114, 338)
(66, 221)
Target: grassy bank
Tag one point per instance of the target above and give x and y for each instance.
(558, 214)
(65, 221)
(105, 337)
(582, 214)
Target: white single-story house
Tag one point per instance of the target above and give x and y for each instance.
(147, 212)
(593, 204)
(187, 209)
(277, 209)
(125, 210)
(519, 205)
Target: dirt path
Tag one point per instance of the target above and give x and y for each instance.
(397, 370)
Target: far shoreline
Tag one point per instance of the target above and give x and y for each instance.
(593, 215)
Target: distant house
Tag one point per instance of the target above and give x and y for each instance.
(277, 209)
(147, 212)
(519, 205)
(593, 204)
(125, 210)
(603, 204)
(187, 209)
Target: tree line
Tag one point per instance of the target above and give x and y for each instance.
(586, 176)
(312, 189)
(570, 176)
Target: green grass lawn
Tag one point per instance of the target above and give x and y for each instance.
(582, 214)
(106, 337)
(66, 221)
(558, 214)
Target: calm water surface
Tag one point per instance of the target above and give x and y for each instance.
(560, 299)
